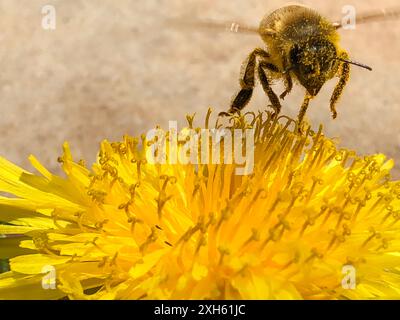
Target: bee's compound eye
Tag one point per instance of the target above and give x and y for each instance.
(307, 69)
(295, 55)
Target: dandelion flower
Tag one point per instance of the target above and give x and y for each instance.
(129, 229)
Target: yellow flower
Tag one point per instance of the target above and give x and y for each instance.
(128, 229)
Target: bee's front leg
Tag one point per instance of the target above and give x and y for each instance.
(247, 82)
(288, 85)
(303, 111)
(266, 86)
(287, 79)
(344, 74)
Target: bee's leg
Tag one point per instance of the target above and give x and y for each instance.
(303, 111)
(288, 86)
(287, 79)
(246, 82)
(266, 86)
(288, 82)
(344, 74)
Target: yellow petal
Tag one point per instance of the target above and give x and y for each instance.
(7, 229)
(34, 263)
(148, 262)
(14, 286)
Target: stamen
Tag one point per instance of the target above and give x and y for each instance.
(103, 262)
(373, 235)
(99, 225)
(113, 260)
(255, 236)
(190, 119)
(223, 252)
(188, 234)
(207, 120)
(314, 254)
(150, 239)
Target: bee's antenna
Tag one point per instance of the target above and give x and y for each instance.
(355, 63)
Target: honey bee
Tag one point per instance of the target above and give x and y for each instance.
(302, 47)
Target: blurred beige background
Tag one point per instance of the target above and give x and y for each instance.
(114, 67)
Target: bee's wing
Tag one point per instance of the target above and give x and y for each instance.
(377, 15)
(214, 25)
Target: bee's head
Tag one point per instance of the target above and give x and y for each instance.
(314, 62)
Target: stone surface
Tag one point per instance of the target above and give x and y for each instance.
(116, 67)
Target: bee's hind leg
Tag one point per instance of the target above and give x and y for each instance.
(247, 82)
(266, 86)
(344, 74)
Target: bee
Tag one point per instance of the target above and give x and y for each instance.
(303, 48)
